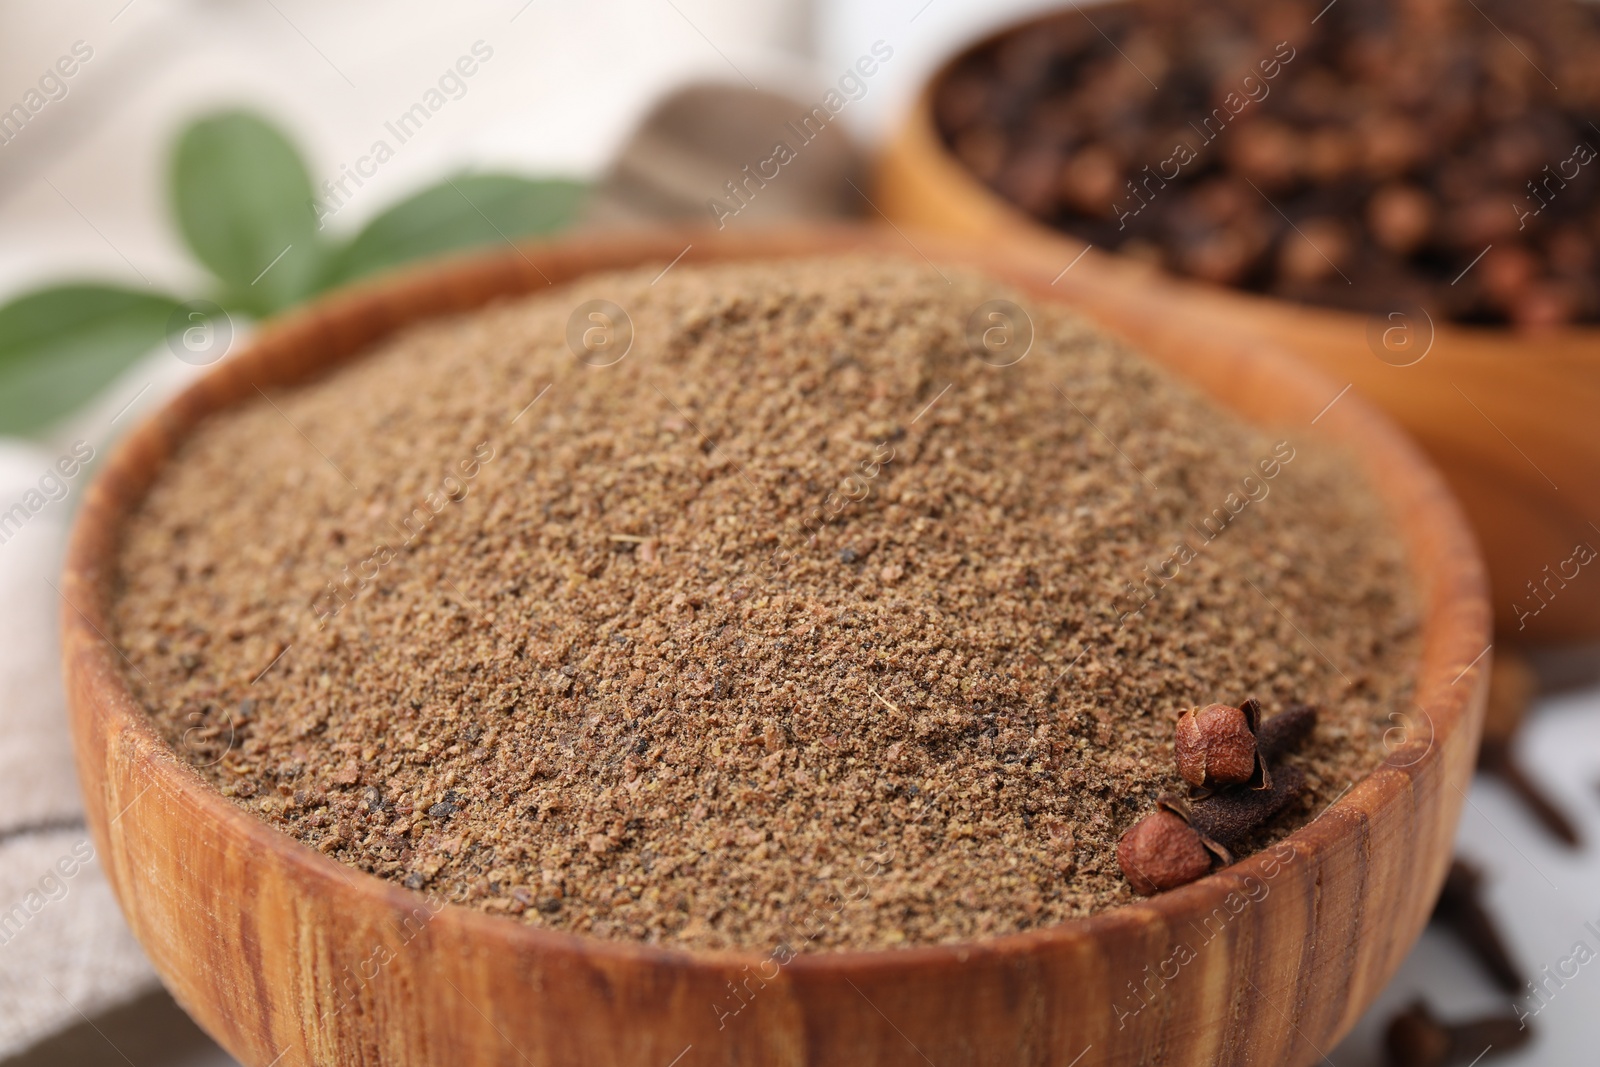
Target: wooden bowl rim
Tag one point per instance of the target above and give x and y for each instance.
(1450, 588)
(918, 121)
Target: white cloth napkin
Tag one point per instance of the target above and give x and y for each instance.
(65, 953)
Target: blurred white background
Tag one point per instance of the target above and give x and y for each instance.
(82, 188)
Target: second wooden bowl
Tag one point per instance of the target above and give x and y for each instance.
(1507, 417)
(288, 958)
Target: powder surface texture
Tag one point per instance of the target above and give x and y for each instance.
(798, 625)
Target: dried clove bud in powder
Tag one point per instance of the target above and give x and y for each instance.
(1162, 851)
(1157, 853)
(1216, 745)
(1230, 818)
(1286, 731)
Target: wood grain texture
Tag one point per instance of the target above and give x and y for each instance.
(1507, 417)
(286, 957)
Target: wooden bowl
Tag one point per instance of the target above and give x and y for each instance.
(1506, 416)
(287, 957)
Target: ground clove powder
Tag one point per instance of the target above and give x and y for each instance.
(803, 623)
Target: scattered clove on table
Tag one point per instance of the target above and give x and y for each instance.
(1461, 910)
(1497, 758)
(1512, 687)
(1416, 1038)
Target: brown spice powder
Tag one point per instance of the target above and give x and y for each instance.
(799, 625)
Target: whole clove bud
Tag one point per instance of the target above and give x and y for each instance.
(1400, 216)
(1461, 909)
(1162, 851)
(1216, 744)
(1286, 731)
(1498, 758)
(1231, 818)
(1219, 749)
(1417, 1039)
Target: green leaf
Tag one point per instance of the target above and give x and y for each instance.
(471, 209)
(244, 203)
(61, 345)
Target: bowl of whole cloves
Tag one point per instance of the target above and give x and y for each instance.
(1403, 194)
